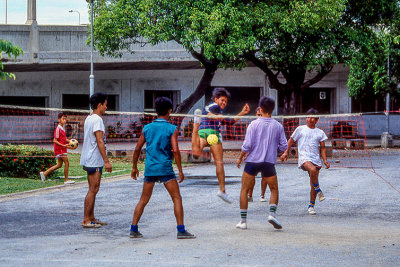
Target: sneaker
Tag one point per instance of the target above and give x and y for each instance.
(134, 234)
(42, 177)
(196, 118)
(311, 211)
(320, 196)
(224, 197)
(262, 199)
(185, 235)
(249, 199)
(69, 182)
(241, 225)
(272, 220)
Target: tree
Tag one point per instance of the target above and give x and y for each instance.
(119, 24)
(314, 46)
(369, 74)
(8, 48)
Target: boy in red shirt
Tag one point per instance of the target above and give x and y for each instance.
(60, 150)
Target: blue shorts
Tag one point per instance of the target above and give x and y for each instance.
(266, 169)
(161, 179)
(91, 170)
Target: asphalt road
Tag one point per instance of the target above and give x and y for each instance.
(358, 224)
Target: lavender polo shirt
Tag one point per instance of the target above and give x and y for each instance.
(264, 138)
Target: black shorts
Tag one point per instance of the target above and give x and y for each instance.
(91, 170)
(266, 169)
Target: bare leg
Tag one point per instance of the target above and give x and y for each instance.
(264, 185)
(53, 168)
(144, 199)
(313, 172)
(173, 190)
(272, 182)
(196, 147)
(251, 188)
(247, 181)
(66, 167)
(94, 186)
(217, 152)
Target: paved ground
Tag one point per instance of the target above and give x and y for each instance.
(358, 224)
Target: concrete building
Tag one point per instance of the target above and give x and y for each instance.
(54, 72)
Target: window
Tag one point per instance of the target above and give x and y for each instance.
(81, 101)
(151, 95)
(26, 101)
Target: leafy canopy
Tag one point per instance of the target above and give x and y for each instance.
(11, 51)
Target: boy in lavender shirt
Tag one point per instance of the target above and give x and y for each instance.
(264, 138)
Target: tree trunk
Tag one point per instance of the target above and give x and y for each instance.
(204, 83)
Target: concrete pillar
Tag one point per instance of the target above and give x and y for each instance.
(386, 140)
(31, 12)
(34, 31)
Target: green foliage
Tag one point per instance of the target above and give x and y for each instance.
(11, 50)
(24, 161)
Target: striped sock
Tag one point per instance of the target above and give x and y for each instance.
(243, 215)
(316, 188)
(311, 204)
(272, 208)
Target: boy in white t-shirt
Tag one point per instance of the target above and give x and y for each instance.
(94, 156)
(310, 139)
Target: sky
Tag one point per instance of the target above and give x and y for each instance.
(48, 12)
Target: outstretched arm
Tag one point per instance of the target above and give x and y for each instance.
(285, 154)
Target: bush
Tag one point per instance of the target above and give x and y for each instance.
(24, 161)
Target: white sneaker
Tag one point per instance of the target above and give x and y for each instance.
(311, 211)
(42, 177)
(262, 199)
(241, 225)
(320, 196)
(224, 197)
(272, 220)
(196, 118)
(249, 199)
(69, 182)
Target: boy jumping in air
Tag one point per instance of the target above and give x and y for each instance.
(60, 150)
(161, 140)
(264, 138)
(203, 127)
(310, 139)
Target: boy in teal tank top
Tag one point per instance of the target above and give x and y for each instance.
(161, 140)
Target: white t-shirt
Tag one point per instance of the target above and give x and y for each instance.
(308, 144)
(91, 156)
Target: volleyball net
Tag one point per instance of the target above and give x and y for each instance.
(346, 147)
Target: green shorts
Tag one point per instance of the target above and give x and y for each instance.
(204, 133)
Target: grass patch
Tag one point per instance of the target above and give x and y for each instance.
(14, 185)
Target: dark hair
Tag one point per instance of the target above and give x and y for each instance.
(220, 91)
(312, 111)
(61, 114)
(162, 105)
(96, 99)
(267, 104)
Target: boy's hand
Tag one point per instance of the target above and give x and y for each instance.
(135, 173)
(327, 165)
(108, 167)
(245, 109)
(181, 177)
(284, 156)
(238, 162)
